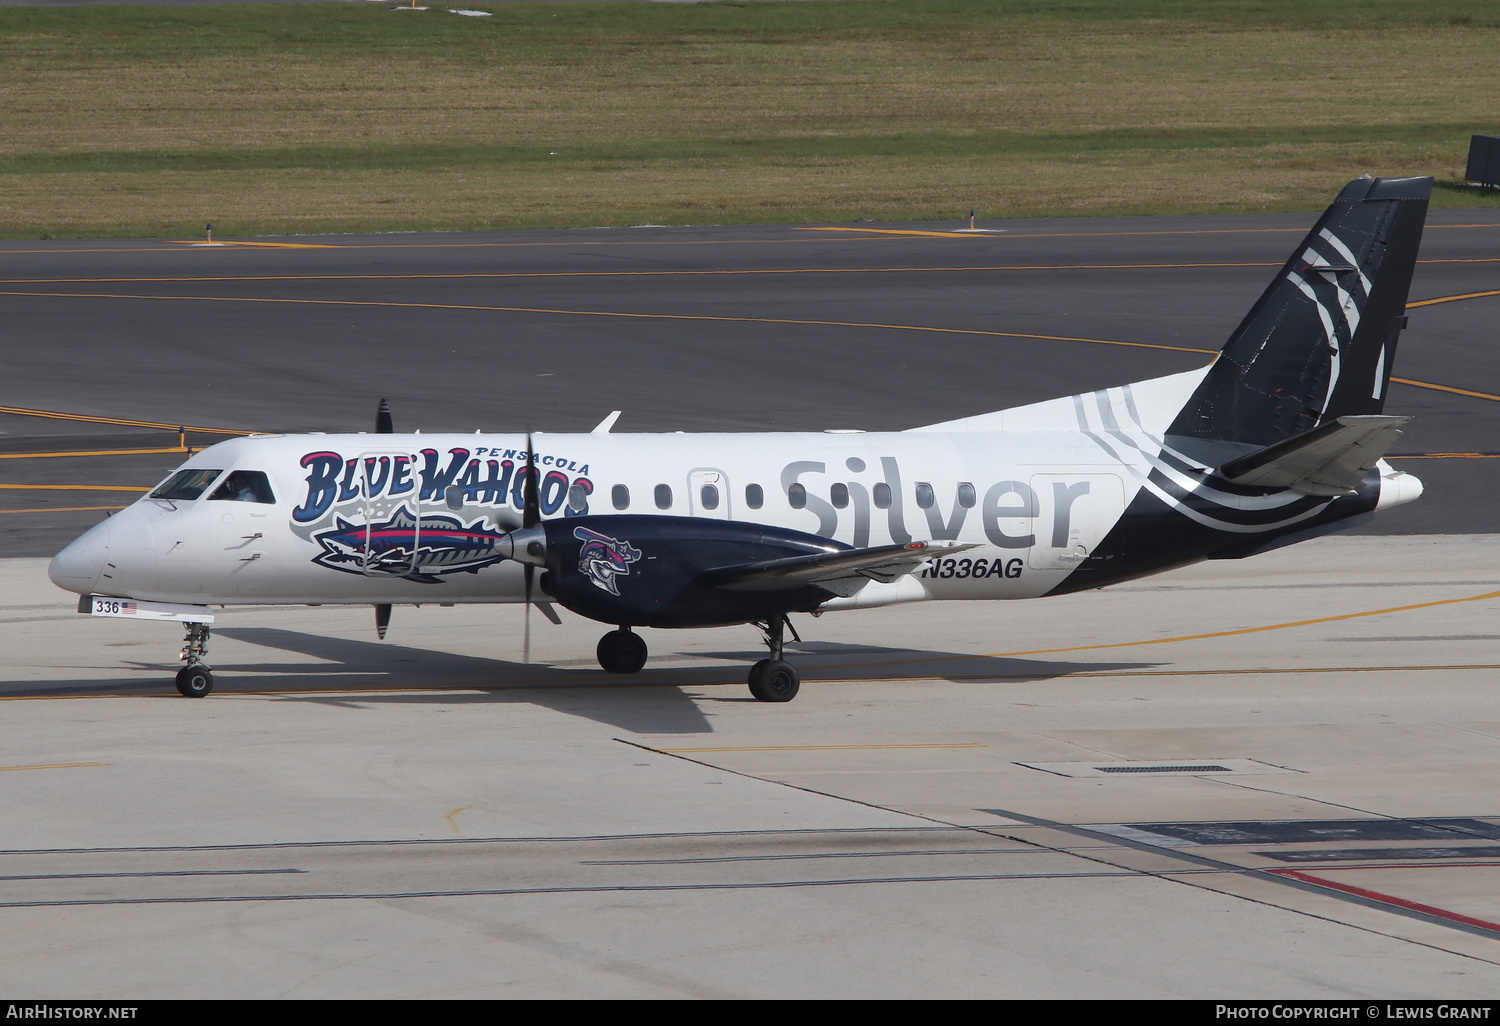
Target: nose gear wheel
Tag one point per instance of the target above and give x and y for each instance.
(194, 680)
(622, 651)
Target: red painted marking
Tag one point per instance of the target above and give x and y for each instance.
(1391, 899)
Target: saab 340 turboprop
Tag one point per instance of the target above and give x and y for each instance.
(1277, 440)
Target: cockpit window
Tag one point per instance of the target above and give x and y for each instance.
(186, 484)
(245, 486)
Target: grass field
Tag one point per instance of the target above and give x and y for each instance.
(140, 121)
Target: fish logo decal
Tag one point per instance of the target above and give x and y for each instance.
(603, 558)
(405, 546)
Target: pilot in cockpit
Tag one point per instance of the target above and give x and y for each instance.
(244, 486)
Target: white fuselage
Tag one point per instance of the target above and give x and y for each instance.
(1034, 505)
(1034, 490)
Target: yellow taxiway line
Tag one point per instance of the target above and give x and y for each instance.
(91, 452)
(817, 748)
(688, 317)
(87, 419)
(611, 313)
(175, 245)
(1452, 299)
(75, 488)
(61, 509)
(264, 245)
(698, 272)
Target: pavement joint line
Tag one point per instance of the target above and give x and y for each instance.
(390, 842)
(61, 509)
(1287, 877)
(378, 690)
(564, 889)
(51, 765)
(1115, 842)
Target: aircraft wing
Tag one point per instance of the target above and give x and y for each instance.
(1328, 460)
(842, 573)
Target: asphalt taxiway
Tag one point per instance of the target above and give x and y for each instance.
(879, 327)
(1268, 778)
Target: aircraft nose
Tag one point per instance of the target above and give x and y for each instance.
(77, 567)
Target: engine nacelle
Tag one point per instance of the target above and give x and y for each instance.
(646, 571)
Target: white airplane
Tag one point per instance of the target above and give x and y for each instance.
(1277, 440)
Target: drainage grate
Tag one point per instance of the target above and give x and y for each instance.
(1164, 769)
(1182, 766)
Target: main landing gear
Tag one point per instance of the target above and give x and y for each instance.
(773, 680)
(194, 680)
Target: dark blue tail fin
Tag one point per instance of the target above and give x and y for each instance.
(1319, 343)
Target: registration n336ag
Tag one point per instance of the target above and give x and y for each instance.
(1279, 439)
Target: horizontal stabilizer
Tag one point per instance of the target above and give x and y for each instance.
(1328, 460)
(842, 573)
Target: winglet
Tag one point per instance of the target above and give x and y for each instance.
(606, 424)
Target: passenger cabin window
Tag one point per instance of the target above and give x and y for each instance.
(186, 484)
(925, 498)
(797, 495)
(966, 495)
(620, 496)
(755, 496)
(882, 495)
(578, 497)
(708, 496)
(245, 486)
(839, 493)
(663, 496)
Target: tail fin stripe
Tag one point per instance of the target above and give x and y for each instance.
(1328, 330)
(1347, 254)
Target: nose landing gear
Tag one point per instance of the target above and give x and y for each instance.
(194, 680)
(622, 651)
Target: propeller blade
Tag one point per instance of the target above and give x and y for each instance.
(531, 515)
(384, 425)
(526, 621)
(382, 618)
